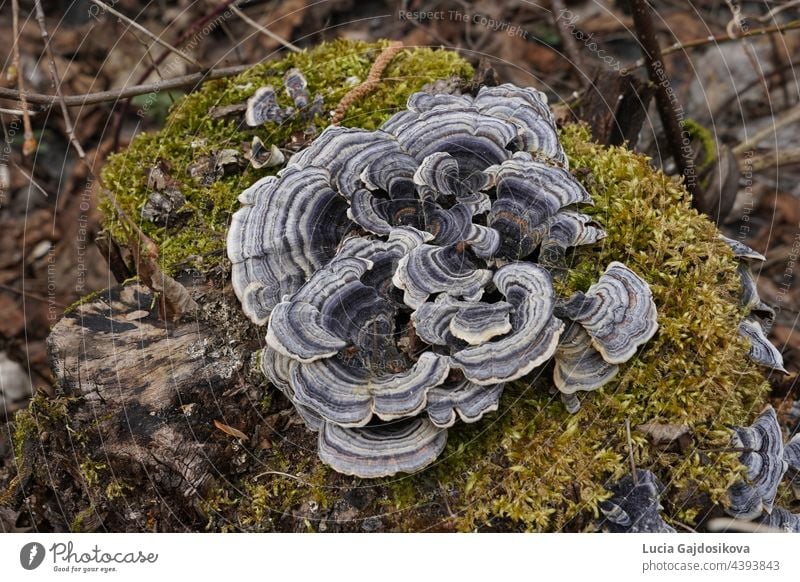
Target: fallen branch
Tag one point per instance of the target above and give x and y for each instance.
(124, 92)
(786, 118)
(774, 160)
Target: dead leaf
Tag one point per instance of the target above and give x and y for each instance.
(174, 299)
(665, 434)
(229, 430)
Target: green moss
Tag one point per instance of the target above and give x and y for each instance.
(83, 300)
(708, 148)
(116, 489)
(256, 503)
(79, 522)
(41, 415)
(331, 69)
(91, 471)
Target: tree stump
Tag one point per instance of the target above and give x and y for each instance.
(171, 427)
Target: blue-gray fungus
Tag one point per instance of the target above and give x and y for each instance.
(762, 453)
(635, 506)
(406, 275)
(759, 315)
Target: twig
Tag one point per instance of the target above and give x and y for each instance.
(778, 71)
(155, 38)
(282, 474)
(685, 527)
(56, 82)
(31, 180)
(368, 86)
(262, 29)
(786, 118)
(30, 295)
(665, 95)
(769, 16)
(634, 474)
(750, 53)
(29, 143)
(728, 524)
(718, 39)
(125, 92)
(774, 159)
(21, 112)
(196, 25)
(568, 40)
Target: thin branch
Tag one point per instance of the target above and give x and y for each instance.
(29, 143)
(125, 92)
(30, 179)
(30, 295)
(155, 38)
(769, 16)
(778, 71)
(786, 118)
(195, 26)
(56, 82)
(634, 474)
(19, 112)
(684, 527)
(718, 39)
(568, 40)
(774, 159)
(368, 86)
(262, 29)
(282, 474)
(666, 100)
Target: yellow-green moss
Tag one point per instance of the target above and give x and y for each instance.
(706, 141)
(91, 471)
(79, 522)
(116, 489)
(331, 69)
(41, 415)
(255, 501)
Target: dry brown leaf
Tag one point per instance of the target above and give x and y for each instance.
(229, 430)
(665, 434)
(174, 299)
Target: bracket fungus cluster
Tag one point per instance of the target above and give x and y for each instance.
(762, 351)
(767, 460)
(405, 275)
